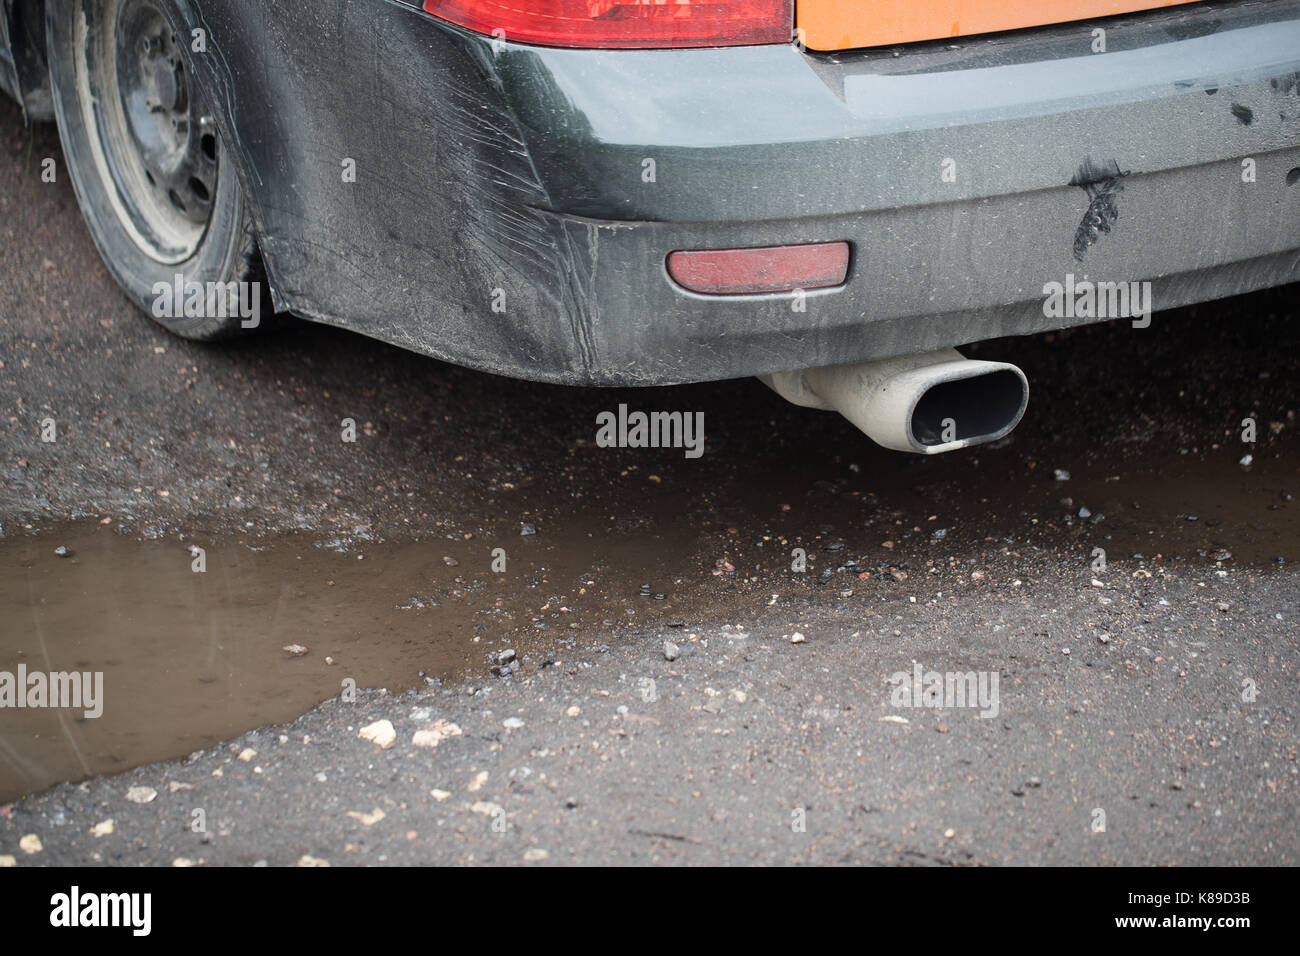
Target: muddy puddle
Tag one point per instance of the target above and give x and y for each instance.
(191, 658)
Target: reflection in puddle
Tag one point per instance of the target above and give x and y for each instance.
(189, 658)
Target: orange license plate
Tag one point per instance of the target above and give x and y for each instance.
(849, 24)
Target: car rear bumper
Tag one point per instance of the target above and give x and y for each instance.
(505, 216)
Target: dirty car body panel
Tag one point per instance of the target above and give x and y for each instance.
(501, 215)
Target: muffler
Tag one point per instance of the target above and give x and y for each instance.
(927, 403)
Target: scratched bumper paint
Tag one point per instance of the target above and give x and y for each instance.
(501, 216)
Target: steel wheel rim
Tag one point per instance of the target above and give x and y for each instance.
(152, 136)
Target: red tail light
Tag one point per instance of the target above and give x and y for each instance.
(762, 269)
(623, 23)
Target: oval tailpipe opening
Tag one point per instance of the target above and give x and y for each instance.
(971, 410)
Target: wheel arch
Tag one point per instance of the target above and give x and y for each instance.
(24, 25)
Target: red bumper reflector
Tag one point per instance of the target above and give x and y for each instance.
(763, 269)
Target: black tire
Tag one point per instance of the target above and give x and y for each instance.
(157, 188)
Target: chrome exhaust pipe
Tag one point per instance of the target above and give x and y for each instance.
(927, 403)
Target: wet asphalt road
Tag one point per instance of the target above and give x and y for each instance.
(1121, 690)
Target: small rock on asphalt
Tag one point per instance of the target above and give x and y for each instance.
(381, 732)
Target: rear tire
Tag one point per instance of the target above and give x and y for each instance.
(156, 186)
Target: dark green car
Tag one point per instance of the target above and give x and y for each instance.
(625, 192)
